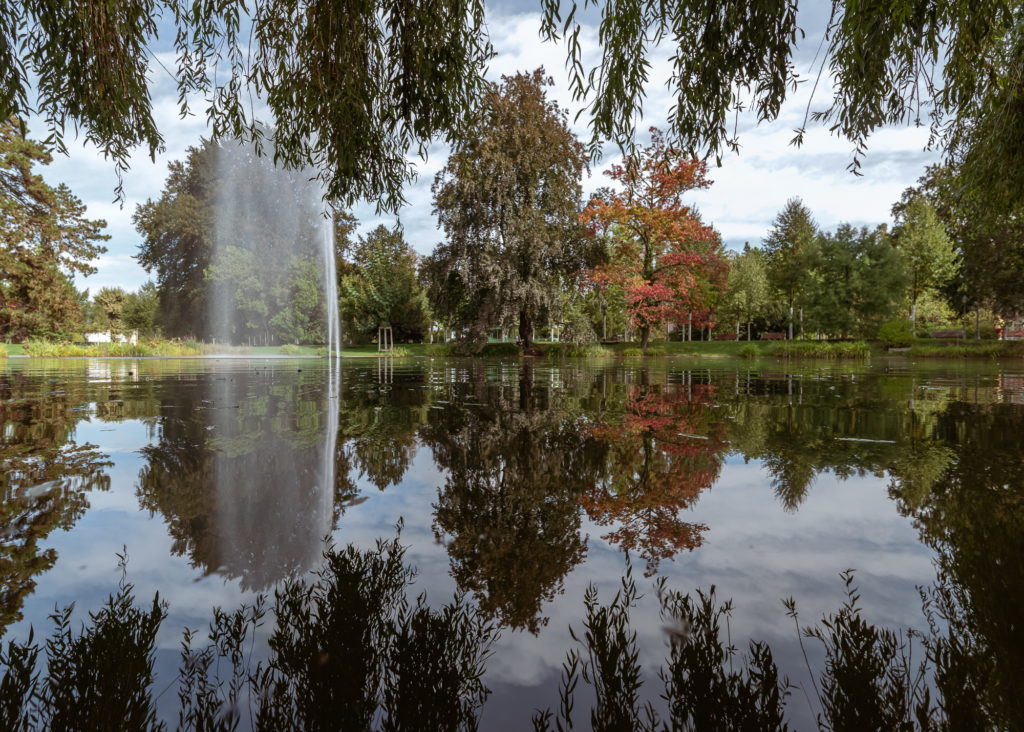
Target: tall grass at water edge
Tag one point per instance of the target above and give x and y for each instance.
(51, 349)
(396, 664)
(965, 349)
(822, 349)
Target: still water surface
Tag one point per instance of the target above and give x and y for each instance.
(521, 484)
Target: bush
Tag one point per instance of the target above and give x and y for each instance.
(290, 349)
(509, 350)
(896, 333)
(631, 352)
(750, 351)
(439, 349)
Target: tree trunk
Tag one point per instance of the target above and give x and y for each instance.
(748, 330)
(525, 386)
(525, 329)
(790, 320)
(645, 336)
(913, 314)
(689, 327)
(977, 324)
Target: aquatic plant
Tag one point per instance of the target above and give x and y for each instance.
(822, 349)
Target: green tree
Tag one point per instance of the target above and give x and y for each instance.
(405, 74)
(177, 245)
(110, 301)
(140, 310)
(384, 290)
(44, 240)
(258, 280)
(299, 303)
(788, 247)
(749, 293)
(989, 247)
(926, 251)
(857, 280)
(508, 201)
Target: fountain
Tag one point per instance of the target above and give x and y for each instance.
(273, 231)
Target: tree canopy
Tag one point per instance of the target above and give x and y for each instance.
(383, 289)
(44, 240)
(237, 237)
(351, 89)
(508, 201)
(666, 260)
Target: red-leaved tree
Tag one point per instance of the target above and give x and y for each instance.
(665, 259)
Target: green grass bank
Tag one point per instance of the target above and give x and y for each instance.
(811, 350)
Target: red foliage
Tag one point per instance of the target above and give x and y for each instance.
(667, 261)
(664, 452)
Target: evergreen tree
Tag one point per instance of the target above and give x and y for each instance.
(788, 247)
(44, 240)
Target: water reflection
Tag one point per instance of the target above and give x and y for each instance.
(519, 458)
(241, 472)
(515, 468)
(45, 477)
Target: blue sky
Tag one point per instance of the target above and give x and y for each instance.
(748, 190)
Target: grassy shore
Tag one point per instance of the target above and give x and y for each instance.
(827, 350)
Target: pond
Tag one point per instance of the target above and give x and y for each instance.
(522, 484)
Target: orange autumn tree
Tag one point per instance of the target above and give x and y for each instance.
(667, 262)
(664, 452)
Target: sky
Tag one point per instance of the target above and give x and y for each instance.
(748, 190)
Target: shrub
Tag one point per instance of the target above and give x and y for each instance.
(750, 351)
(290, 349)
(439, 349)
(501, 349)
(631, 352)
(822, 349)
(896, 333)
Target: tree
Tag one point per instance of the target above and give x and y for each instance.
(141, 308)
(926, 251)
(236, 237)
(405, 74)
(110, 301)
(384, 289)
(989, 247)
(508, 201)
(665, 259)
(856, 280)
(177, 244)
(788, 247)
(44, 240)
(749, 293)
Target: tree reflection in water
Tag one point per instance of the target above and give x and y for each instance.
(508, 510)
(662, 453)
(234, 451)
(45, 477)
(522, 452)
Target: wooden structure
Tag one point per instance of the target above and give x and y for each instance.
(773, 336)
(385, 341)
(947, 334)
